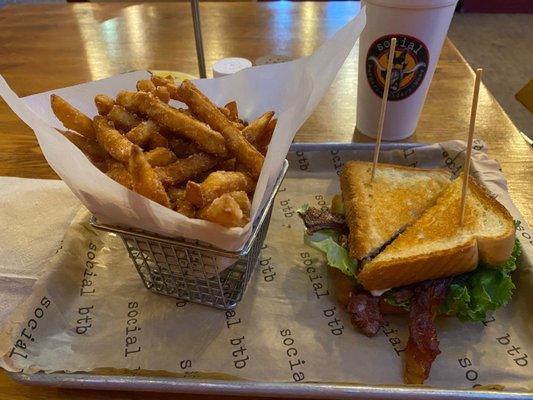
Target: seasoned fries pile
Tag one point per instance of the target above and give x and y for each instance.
(202, 161)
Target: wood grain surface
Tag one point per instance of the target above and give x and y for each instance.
(43, 47)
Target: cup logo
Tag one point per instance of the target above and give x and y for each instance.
(411, 59)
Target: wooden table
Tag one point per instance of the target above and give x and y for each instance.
(43, 47)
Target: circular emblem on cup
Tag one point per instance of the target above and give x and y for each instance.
(411, 59)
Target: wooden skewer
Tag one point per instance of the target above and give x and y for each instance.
(466, 169)
(383, 107)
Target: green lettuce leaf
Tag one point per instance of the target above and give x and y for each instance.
(337, 256)
(485, 289)
(303, 208)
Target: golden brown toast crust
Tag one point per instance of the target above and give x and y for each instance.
(442, 222)
(494, 250)
(377, 211)
(439, 264)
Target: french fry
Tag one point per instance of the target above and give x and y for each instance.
(144, 178)
(185, 208)
(71, 117)
(255, 129)
(235, 141)
(226, 165)
(162, 81)
(173, 91)
(110, 163)
(162, 93)
(233, 111)
(94, 152)
(160, 156)
(157, 140)
(169, 83)
(240, 168)
(243, 200)
(178, 202)
(121, 175)
(224, 111)
(122, 118)
(145, 85)
(117, 145)
(150, 106)
(158, 80)
(186, 111)
(140, 135)
(148, 86)
(216, 184)
(185, 168)
(239, 125)
(175, 193)
(103, 103)
(234, 115)
(225, 211)
(266, 136)
(182, 148)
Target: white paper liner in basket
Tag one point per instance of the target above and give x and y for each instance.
(291, 89)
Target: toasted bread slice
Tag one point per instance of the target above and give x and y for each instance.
(437, 246)
(377, 211)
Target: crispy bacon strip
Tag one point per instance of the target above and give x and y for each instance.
(316, 220)
(423, 345)
(364, 312)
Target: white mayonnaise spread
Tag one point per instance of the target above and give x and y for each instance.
(378, 293)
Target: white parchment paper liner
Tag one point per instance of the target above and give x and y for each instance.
(291, 89)
(288, 326)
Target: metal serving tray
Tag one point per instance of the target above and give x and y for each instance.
(265, 389)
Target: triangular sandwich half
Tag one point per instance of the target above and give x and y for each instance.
(377, 211)
(437, 246)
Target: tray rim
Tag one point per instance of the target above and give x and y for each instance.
(255, 388)
(261, 388)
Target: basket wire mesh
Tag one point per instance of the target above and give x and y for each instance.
(194, 271)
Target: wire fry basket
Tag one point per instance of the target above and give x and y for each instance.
(191, 270)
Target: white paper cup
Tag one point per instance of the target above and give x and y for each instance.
(420, 27)
(228, 66)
